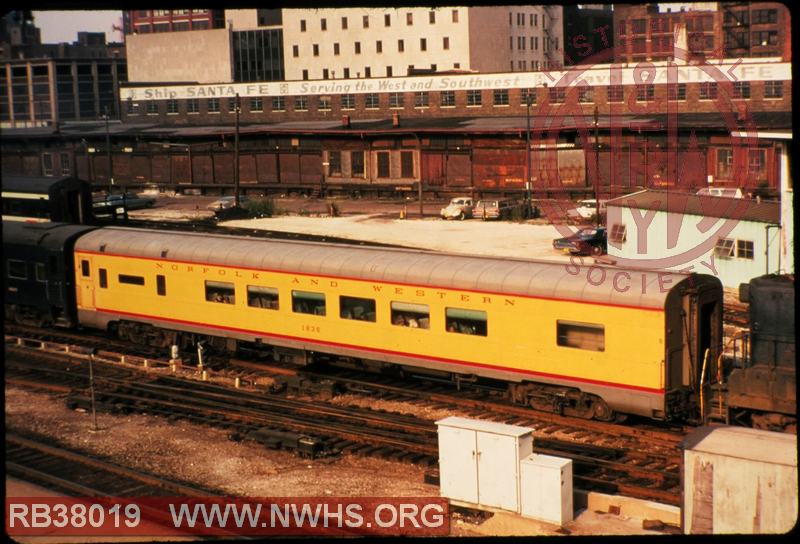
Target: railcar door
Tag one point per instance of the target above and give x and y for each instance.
(85, 282)
(700, 323)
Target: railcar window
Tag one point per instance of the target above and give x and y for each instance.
(17, 270)
(85, 268)
(222, 292)
(161, 285)
(40, 273)
(103, 277)
(132, 280)
(466, 321)
(405, 314)
(262, 297)
(305, 302)
(587, 336)
(360, 309)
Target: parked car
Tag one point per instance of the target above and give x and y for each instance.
(586, 209)
(226, 202)
(459, 208)
(587, 241)
(727, 192)
(126, 200)
(499, 209)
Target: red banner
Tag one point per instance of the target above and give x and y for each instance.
(212, 516)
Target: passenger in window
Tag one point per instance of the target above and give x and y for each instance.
(413, 323)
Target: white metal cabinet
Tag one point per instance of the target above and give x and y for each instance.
(546, 488)
(479, 461)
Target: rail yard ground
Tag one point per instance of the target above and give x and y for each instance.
(208, 457)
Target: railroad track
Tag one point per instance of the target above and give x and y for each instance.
(42, 461)
(317, 427)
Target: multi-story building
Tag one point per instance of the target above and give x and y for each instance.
(645, 32)
(46, 84)
(344, 43)
(588, 33)
(147, 21)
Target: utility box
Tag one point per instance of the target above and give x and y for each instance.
(479, 461)
(546, 488)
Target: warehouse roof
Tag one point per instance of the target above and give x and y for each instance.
(742, 209)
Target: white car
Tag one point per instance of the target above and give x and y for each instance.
(459, 208)
(587, 208)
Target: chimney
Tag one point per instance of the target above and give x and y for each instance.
(346, 121)
(395, 119)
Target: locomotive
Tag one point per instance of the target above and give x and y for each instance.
(588, 341)
(763, 394)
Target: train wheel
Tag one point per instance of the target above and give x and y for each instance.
(602, 412)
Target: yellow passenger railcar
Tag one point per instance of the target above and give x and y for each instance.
(587, 341)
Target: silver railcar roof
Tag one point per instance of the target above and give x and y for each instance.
(512, 276)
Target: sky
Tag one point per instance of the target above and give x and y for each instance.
(63, 26)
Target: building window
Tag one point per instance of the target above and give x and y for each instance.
(323, 24)
(348, 101)
(708, 90)
(193, 105)
(645, 93)
(66, 164)
(415, 316)
(306, 302)
(557, 95)
(152, 107)
(764, 38)
(763, 16)
(47, 164)
(500, 97)
(618, 233)
(262, 297)
(324, 103)
(358, 48)
(315, 49)
(221, 292)
(344, 23)
(741, 89)
(132, 107)
(455, 15)
(371, 101)
(401, 46)
(474, 98)
(421, 99)
(446, 43)
(334, 163)
(387, 20)
(383, 164)
(295, 50)
(300, 103)
(585, 95)
(409, 19)
(773, 89)
(432, 17)
(213, 105)
(744, 249)
(676, 92)
(172, 107)
(347, 73)
(724, 163)
(588, 336)
(18, 270)
(395, 100)
(448, 99)
(336, 49)
(365, 21)
(525, 94)
(324, 73)
(462, 321)
(756, 161)
(256, 104)
(278, 103)
(423, 44)
(231, 105)
(359, 309)
(724, 248)
(388, 71)
(302, 25)
(379, 46)
(357, 163)
(406, 164)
